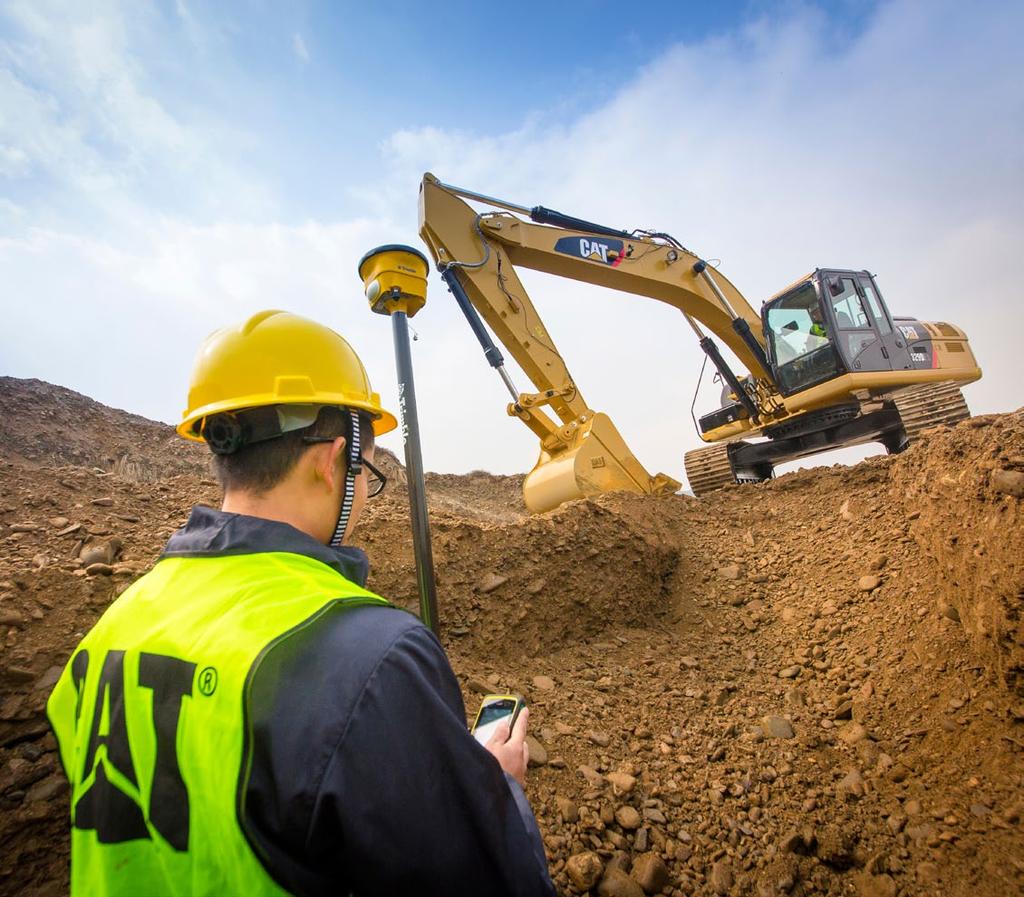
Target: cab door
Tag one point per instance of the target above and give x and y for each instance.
(894, 345)
(857, 334)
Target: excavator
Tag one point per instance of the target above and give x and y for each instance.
(826, 365)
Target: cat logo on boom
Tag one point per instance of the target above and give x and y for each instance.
(605, 251)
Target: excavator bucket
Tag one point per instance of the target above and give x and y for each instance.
(597, 461)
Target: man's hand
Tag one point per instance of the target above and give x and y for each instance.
(512, 752)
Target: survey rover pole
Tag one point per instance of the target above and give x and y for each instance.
(395, 281)
(414, 471)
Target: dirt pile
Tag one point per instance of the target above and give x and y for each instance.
(805, 687)
(46, 425)
(968, 521)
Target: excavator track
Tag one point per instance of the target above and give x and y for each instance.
(930, 405)
(708, 469)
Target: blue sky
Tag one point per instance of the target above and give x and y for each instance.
(168, 167)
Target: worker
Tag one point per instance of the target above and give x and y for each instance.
(247, 718)
(818, 323)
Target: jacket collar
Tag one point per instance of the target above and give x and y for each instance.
(213, 533)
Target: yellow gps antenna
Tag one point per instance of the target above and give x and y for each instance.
(395, 283)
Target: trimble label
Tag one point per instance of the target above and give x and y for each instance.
(594, 249)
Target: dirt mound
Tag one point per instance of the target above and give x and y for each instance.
(49, 425)
(811, 686)
(964, 496)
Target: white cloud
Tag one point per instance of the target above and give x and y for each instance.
(778, 147)
(299, 46)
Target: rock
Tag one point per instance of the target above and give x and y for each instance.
(869, 885)
(878, 563)
(869, 582)
(622, 782)
(650, 872)
(49, 678)
(789, 672)
(538, 753)
(844, 711)
(536, 587)
(949, 612)
(105, 502)
(851, 733)
(845, 512)
(851, 785)
(11, 616)
(628, 817)
(479, 686)
(543, 683)
(730, 572)
(653, 814)
(912, 807)
(777, 727)
(58, 522)
(927, 873)
(583, 870)
(591, 775)
(835, 847)
(1008, 482)
(721, 877)
(617, 884)
(24, 528)
(601, 739)
(567, 809)
(99, 570)
(896, 822)
(795, 842)
(97, 553)
(47, 789)
(640, 839)
(491, 582)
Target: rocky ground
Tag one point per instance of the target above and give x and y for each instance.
(811, 686)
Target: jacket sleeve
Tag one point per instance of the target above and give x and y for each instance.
(410, 803)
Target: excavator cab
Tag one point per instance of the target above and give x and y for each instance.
(829, 323)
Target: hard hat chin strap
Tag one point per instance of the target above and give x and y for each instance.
(353, 469)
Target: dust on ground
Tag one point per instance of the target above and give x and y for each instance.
(810, 686)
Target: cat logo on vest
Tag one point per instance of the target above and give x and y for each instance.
(105, 807)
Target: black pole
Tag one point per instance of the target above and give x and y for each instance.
(414, 471)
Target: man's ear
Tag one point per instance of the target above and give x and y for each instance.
(330, 464)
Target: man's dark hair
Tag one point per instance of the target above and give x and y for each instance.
(260, 467)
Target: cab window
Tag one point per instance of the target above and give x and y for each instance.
(795, 325)
(848, 308)
(855, 330)
(884, 327)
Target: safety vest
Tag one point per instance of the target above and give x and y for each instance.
(152, 723)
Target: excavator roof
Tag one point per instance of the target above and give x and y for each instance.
(795, 283)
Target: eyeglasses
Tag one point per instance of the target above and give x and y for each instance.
(375, 480)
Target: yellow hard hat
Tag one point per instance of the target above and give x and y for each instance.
(277, 358)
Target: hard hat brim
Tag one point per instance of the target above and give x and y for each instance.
(383, 421)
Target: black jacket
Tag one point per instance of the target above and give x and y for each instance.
(364, 777)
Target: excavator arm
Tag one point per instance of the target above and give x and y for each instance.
(582, 453)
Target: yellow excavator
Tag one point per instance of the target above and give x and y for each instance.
(826, 364)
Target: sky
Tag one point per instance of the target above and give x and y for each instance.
(169, 168)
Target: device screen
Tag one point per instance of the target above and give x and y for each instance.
(491, 716)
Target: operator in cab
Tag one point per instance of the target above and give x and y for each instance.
(247, 718)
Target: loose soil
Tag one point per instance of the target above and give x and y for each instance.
(810, 686)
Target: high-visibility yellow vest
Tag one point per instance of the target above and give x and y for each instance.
(150, 716)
